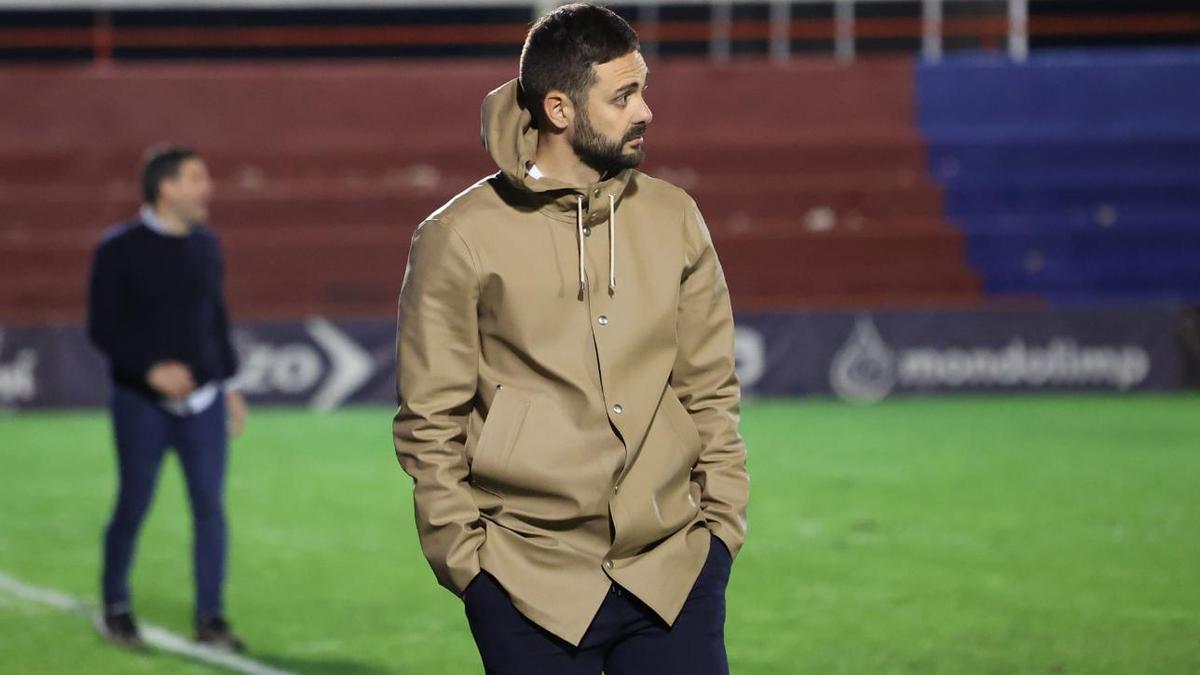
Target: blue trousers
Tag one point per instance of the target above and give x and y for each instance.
(143, 432)
(625, 638)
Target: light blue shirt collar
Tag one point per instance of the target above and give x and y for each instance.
(152, 221)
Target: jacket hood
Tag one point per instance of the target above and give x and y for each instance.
(511, 139)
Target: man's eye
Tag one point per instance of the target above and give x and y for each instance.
(623, 99)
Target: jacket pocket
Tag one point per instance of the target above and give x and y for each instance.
(681, 422)
(497, 437)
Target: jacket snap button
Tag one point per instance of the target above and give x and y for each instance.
(587, 231)
(596, 193)
(618, 408)
(616, 488)
(499, 386)
(602, 320)
(608, 565)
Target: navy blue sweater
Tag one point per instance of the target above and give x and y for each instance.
(155, 297)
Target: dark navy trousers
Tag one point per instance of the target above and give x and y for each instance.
(144, 431)
(625, 638)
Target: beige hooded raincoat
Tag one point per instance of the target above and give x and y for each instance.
(568, 402)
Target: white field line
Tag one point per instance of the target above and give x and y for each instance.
(155, 636)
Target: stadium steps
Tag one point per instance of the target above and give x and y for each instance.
(822, 199)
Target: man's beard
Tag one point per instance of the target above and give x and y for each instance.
(602, 154)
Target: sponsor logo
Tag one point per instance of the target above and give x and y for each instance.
(750, 356)
(297, 368)
(866, 369)
(18, 382)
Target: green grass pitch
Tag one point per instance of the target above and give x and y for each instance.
(963, 536)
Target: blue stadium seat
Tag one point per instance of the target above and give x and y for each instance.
(1075, 176)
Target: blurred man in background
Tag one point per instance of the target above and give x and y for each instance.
(568, 402)
(156, 309)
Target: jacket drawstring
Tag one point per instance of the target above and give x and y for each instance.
(612, 243)
(579, 232)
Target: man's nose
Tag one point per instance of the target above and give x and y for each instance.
(645, 115)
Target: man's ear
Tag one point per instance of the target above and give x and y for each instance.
(558, 109)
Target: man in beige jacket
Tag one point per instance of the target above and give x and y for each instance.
(568, 402)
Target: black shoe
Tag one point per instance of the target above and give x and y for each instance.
(216, 632)
(120, 628)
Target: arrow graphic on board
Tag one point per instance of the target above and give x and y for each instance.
(350, 366)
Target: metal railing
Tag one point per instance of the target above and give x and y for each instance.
(995, 22)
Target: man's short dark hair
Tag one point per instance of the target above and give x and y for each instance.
(160, 163)
(562, 47)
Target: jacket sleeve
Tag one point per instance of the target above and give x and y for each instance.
(229, 357)
(106, 300)
(437, 352)
(705, 380)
